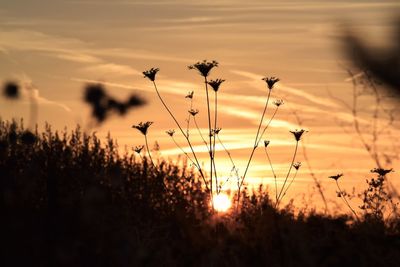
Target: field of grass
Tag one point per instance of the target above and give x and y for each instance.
(69, 200)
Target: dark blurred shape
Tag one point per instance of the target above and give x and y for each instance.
(103, 105)
(383, 64)
(95, 93)
(28, 138)
(135, 101)
(11, 90)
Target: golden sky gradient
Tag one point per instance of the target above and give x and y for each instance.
(58, 46)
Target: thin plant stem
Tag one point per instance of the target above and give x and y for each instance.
(371, 149)
(209, 134)
(188, 119)
(148, 152)
(226, 180)
(201, 135)
(230, 158)
(311, 171)
(273, 172)
(291, 181)
(254, 147)
(345, 200)
(216, 177)
(287, 176)
(140, 155)
(266, 127)
(204, 141)
(186, 137)
(214, 134)
(227, 152)
(314, 177)
(183, 151)
(151, 159)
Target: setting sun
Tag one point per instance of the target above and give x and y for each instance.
(222, 202)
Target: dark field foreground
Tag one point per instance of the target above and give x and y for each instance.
(68, 201)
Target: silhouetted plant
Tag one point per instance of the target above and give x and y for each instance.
(213, 185)
(342, 194)
(138, 149)
(372, 136)
(270, 82)
(190, 97)
(296, 166)
(204, 68)
(376, 199)
(69, 199)
(312, 174)
(297, 136)
(143, 128)
(151, 75)
(266, 144)
(215, 84)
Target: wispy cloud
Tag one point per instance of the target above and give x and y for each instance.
(140, 54)
(251, 5)
(79, 57)
(44, 101)
(323, 101)
(111, 69)
(73, 49)
(117, 85)
(191, 19)
(254, 116)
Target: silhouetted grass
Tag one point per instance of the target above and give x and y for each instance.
(68, 200)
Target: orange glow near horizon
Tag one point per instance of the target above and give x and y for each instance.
(222, 202)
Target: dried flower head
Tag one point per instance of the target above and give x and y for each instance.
(266, 143)
(298, 133)
(270, 81)
(143, 126)
(278, 102)
(193, 112)
(204, 67)
(215, 84)
(215, 131)
(190, 95)
(170, 132)
(138, 149)
(297, 165)
(381, 172)
(151, 74)
(336, 177)
(11, 90)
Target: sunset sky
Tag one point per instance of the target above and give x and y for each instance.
(58, 46)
